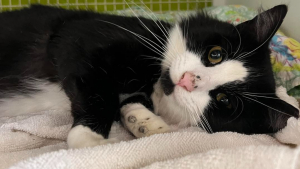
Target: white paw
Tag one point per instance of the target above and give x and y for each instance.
(81, 136)
(141, 122)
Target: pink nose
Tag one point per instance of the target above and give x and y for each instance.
(187, 81)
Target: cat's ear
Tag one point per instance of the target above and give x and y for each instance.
(279, 112)
(265, 24)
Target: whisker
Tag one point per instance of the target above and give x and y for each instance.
(228, 43)
(275, 29)
(240, 41)
(260, 93)
(241, 57)
(155, 35)
(165, 32)
(152, 57)
(266, 105)
(237, 104)
(191, 114)
(162, 27)
(240, 111)
(137, 35)
(206, 122)
(209, 129)
(202, 125)
(261, 96)
(157, 52)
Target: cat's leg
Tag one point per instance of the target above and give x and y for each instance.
(138, 118)
(94, 107)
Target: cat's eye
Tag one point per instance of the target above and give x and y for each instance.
(215, 55)
(222, 98)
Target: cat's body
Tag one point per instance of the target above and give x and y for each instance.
(96, 65)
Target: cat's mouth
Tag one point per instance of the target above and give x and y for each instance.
(188, 81)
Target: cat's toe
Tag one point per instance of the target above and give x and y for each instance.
(142, 123)
(143, 129)
(131, 119)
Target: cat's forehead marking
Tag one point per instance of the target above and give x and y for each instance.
(176, 45)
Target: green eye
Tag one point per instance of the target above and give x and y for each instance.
(222, 98)
(215, 55)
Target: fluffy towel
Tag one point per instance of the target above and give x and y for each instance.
(184, 149)
(38, 141)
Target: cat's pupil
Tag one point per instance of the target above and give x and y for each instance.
(225, 100)
(216, 54)
(222, 98)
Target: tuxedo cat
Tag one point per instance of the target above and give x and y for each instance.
(104, 68)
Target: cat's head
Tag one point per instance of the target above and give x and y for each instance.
(219, 76)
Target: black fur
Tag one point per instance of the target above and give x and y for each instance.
(95, 61)
(92, 60)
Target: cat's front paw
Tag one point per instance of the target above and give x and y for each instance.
(141, 122)
(82, 136)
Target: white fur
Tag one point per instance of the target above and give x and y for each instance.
(143, 118)
(291, 133)
(50, 96)
(183, 107)
(282, 94)
(175, 46)
(81, 136)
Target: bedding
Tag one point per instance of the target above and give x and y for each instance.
(39, 140)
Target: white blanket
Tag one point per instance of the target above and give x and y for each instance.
(38, 141)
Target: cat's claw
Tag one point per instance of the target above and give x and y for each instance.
(142, 123)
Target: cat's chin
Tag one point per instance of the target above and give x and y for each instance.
(182, 96)
(179, 108)
(169, 108)
(179, 95)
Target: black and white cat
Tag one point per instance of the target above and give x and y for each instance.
(197, 72)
